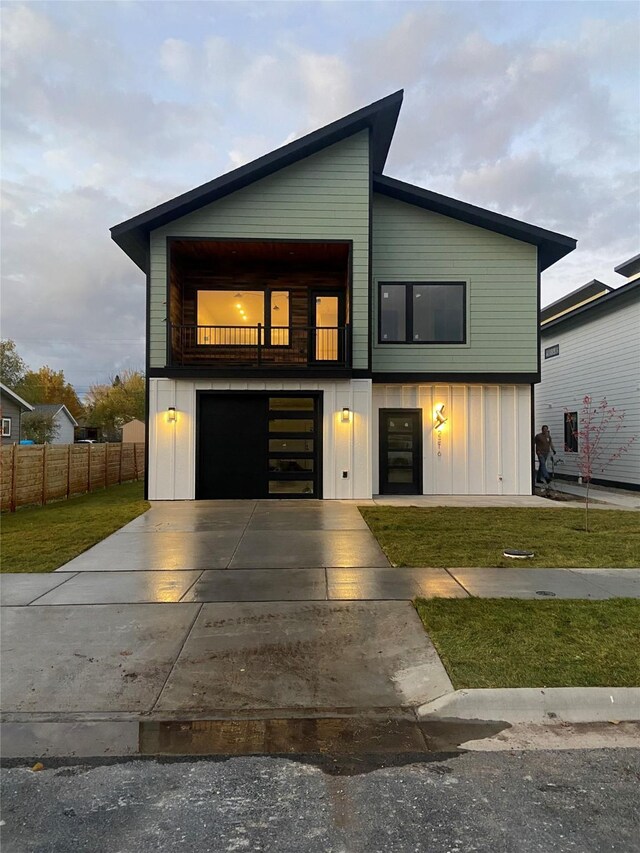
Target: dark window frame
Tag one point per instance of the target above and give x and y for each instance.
(408, 287)
(266, 325)
(571, 446)
(6, 421)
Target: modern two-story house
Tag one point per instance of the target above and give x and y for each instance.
(316, 329)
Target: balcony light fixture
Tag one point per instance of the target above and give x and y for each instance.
(346, 415)
(171, 414)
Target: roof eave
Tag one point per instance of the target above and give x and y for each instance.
(593, 305)
(551, 245)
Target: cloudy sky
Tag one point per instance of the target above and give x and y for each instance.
(108, 108)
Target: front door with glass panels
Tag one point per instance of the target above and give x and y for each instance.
(258, 445)
(400, 452)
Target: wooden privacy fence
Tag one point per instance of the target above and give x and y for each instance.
(38, 473)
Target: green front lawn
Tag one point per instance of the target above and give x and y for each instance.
(456, 537)
(512, 643)
(41, 539)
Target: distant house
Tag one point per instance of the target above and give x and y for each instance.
(63, 419)
(11, 406)
(133, 432)
(590, 345)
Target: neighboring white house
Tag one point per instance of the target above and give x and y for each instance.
(63, 418)
(593, 348)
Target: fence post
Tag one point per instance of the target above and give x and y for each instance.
(89, 469)
(68, 470)
(135, 461)
(120, 467)
(44, 474)
(14, 478)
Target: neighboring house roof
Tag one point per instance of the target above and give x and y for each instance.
(16, 399)
(587, 312)
(552, 246)
(380, 117)
(569, 301)
(630, 267)
(54, 409)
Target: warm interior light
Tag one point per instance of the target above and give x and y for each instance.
(171, 413)
(346, 415)
(440, 419)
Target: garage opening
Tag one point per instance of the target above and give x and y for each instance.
(258, 445)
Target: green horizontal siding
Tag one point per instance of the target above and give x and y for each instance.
(414, 244)
(324, 197)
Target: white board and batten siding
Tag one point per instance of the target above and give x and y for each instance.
(323, 197)
(485, 445)
(412, 244)
(345, 446)
(598, 357)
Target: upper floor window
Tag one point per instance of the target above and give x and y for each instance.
(422, 312)
(6, 427)
(232, 317)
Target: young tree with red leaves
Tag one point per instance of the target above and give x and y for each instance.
(599, 444)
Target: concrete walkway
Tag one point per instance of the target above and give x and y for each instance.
(239, 611)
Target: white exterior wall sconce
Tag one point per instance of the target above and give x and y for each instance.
(171, 414)
(346, 415)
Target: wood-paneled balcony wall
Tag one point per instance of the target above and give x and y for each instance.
(296, 297)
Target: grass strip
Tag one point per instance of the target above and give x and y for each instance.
(459, 537)
(41, 539)
(514, 643)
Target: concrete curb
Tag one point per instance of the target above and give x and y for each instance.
(537, 705)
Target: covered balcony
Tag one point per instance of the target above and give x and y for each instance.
(259, 304)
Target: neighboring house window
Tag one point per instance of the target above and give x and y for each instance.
(6, 427)
(571, 432)
(422, 312)
(232, 317)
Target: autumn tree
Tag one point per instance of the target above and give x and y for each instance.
(114, 404)
(49, 386)
(39, 427)
(12, 367)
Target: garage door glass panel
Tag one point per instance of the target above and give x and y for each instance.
(291, 404)
(291, 445)
(291, 487)
(292, 425)
(290, 466)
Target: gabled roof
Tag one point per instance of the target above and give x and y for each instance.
(586, 312)
(16, 399)
(551, 246)
(54, 409)
(572, 300)
(380, 117)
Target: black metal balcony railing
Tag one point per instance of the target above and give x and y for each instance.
(259, 346)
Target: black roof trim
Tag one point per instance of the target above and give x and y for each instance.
(381, 117)
(628, 267)
(591, 306)
(590, 289)
(551, 245)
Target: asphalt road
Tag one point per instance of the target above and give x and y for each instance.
(520, 802)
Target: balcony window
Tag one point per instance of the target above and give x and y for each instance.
(232, 317)
(422, 312)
